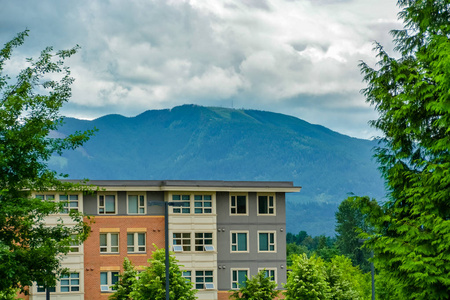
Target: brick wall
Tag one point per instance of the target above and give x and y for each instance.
(94, 262)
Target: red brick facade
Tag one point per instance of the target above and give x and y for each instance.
(94, 262)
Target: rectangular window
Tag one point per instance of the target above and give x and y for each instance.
(238, 204)
(70, 283)
(266, 241)
(136, 204)
(183, 239)
(185, 207)
(204, 280)
(266, 204)
(136, 242)
(46, 197)
(202, 204)
(187, 275)
(107, 280)
(74, 246)
(238, 278)
(202, 240)
(107, 204)
(239, 242)
(270, 273)
(70, 203)
(41, 288)
(109, 243)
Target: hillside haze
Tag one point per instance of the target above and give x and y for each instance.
(192, 142)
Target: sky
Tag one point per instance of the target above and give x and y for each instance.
(296, 57)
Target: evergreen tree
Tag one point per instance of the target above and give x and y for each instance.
(29, 111)
(259, 287)
(124, 286)
(152, 282)
(307, 280)
(411, 95)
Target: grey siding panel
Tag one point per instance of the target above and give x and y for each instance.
(90, 204)
(122, 203)
(155, 210)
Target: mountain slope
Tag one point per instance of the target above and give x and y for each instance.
(194, 142)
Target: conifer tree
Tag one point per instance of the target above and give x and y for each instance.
(124, 286)
(411, 95)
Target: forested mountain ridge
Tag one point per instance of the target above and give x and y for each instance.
(210, 143)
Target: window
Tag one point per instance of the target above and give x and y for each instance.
(74, 247)
(106, 204)
(46, 197)
(238, 277)
(239, 241)
(204, 280)
(41, 288)
(266, 241)
(271, 273)
(202, 204)
(266, 204)
(202, 240)
(238, 204)
(186, 205)
(187, 275)
(70, 282)
(107, 280)
(70, 203)
(183, 239)
(136, 204)
(136, 242)
(109, 242)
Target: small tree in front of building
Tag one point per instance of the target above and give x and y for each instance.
(259, 287)
(152, 282)
(124, 286)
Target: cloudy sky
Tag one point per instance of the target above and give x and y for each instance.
(297, 57)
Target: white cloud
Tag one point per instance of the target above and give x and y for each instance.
(139, 55)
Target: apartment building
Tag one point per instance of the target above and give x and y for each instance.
(221, 231)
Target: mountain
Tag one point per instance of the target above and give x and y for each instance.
(212, 143)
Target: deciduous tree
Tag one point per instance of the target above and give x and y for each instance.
(152, 282)
(124, 286)
(259, 287)
(411, 95)
(29, 111)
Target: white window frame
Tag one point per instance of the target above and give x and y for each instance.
(185, 275)
(274, 244)
(183, 238)
(237, 276)
(108, 245)
(41, 289)
(181, 210)
(206, 210)
(268, 195)
(57, 198)
(109, 283)
(135, 245)
(139, 206)
(203, 239)
(99, 195)
(74, 247)
(237, 243)
(235, 206)
(71, 282)
(204, 276)
(274, 270)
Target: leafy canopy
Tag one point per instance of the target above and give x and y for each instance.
(411, 95)
(152, 282)
(29, 111)
(259, 287)
(124, 286)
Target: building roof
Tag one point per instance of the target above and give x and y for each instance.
(191, 185)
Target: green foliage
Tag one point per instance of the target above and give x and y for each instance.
(307, 280)
(152, 282)
(350, 221)
(29, 111)
(346, 281)
(411, 94)
(302, 242)
(259, 287)
(124, 286)
(9, 294)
